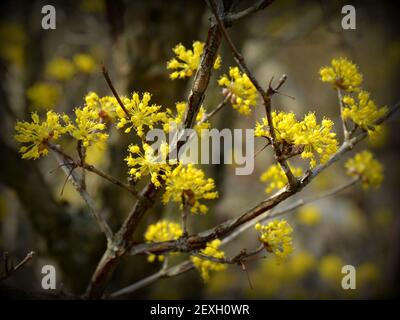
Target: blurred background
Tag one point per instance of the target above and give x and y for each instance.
(134, 40)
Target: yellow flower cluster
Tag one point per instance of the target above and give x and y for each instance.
(88, 127)
(277, 237)
(37, 134)
(43, 95)
(147, 162)
(315, 139)
(60, 69)
(163, 230)
(363, 111)
(343, 74)
(187, 61)
(84, 63)
(106, 106)
(140, 114)
(309, 215)
(187, 183)
(242, 91)
(369, 170)
(206, 266)
(276, 177)
(175, 121)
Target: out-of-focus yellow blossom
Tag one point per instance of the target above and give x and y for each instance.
(106, 106)
(379, 136)
(93, 5)
(383, 217)
(187, 61)
(343, 74)
(175, 121)
(43, 95)
(148, 162)
(282, 274)
(364, 166)
(88, 127)
(12, 41)
(141, 114)
(330, 269)
(206, 266)
(96, 154)
(276, 177)
(367, 273)
(300, 264)
(187, 183)
(37, 134)
(277, 237)
(309, 215)
(315, 139)
(60, 69)
(363, 111)
(84, 63)
(163, 230)
(242, 91)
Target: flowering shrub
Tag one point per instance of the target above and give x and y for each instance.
(185, 187)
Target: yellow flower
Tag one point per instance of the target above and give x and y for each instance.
(285, 125)
(175, 121)
(88, 127)
(276, 177)
(343, 74)
(309, 215)
(187, 183)
(363, 111)
(379, 136)
(146, 162)
(163, 230)
(60, 69)
(206, 266)
(330, 269)
(317, 139)
(364, 166)
(84, 63)
(43, 95)
(243, 93)
(106, 106)
(37, 134)
(277, 237)
(140, 114)
(187, 61)
(314, 139)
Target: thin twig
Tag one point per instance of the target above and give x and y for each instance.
(68, 168)
(8, 272)
(233, 17)
(346, 132)
(114, 91)
(266, 95)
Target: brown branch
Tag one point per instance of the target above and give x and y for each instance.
(10, 271)
(114, 91)
(233, 17)
(226, 228)
(123, 239)
(266, 95)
